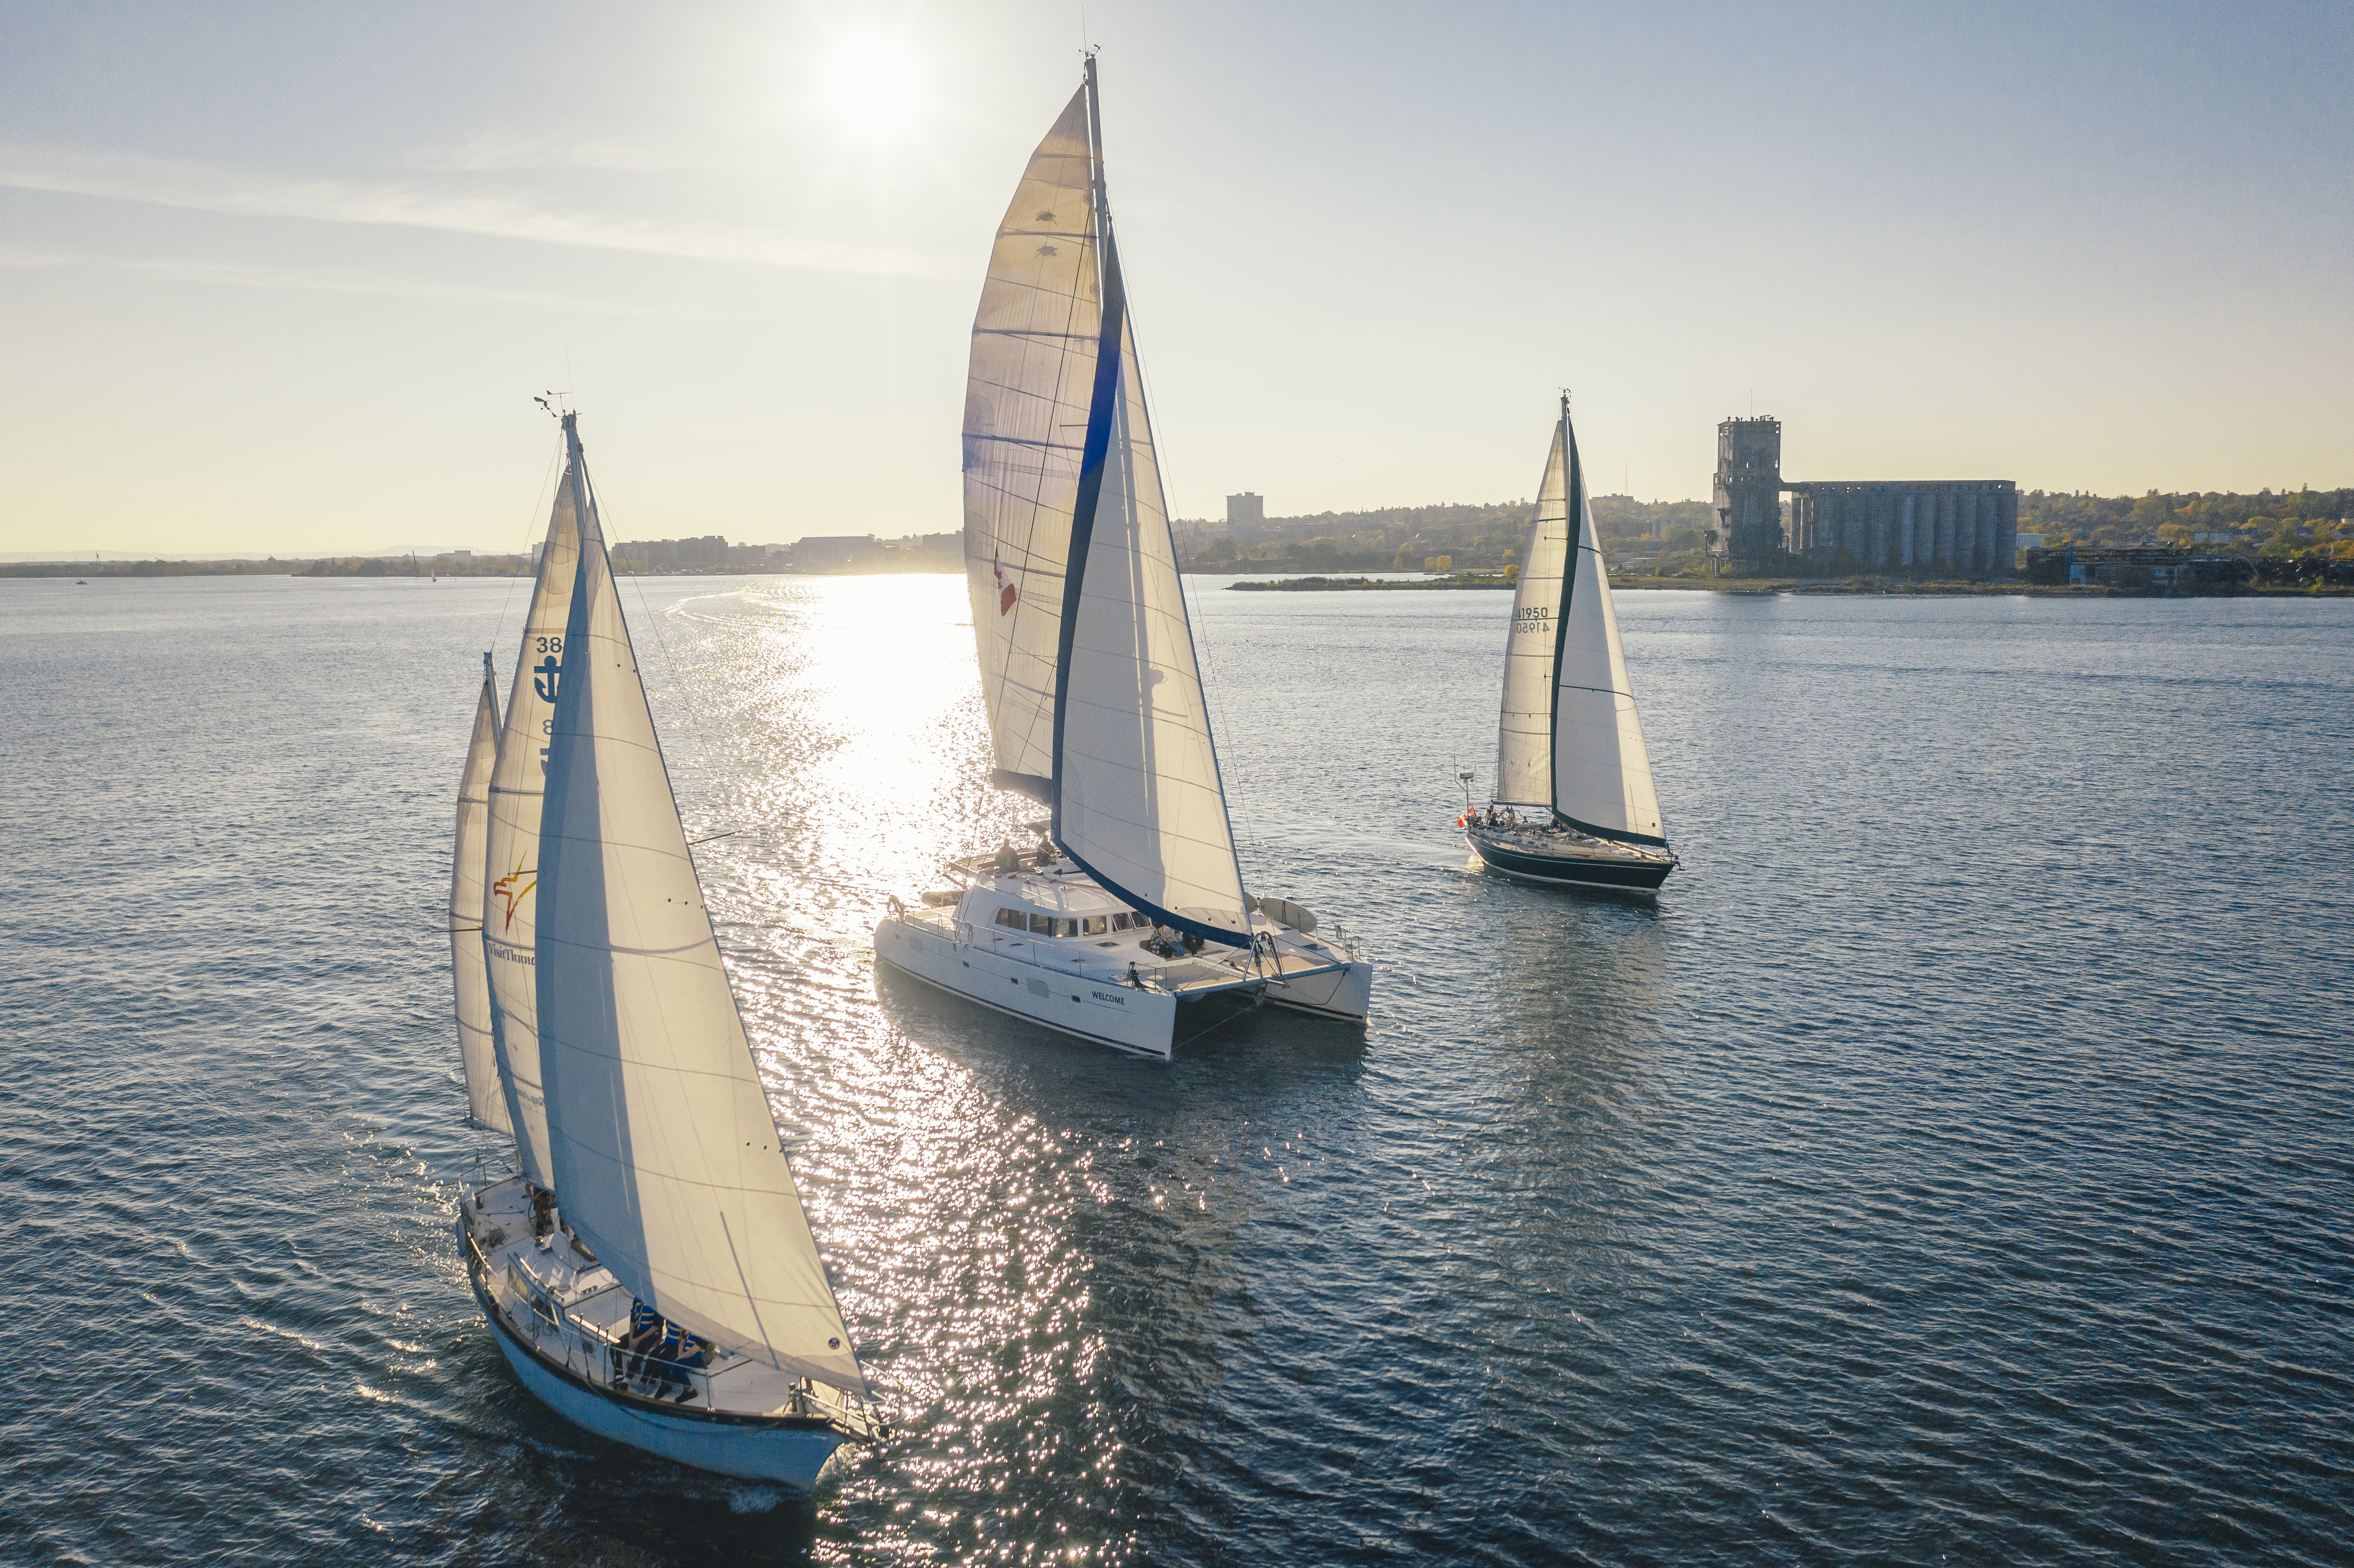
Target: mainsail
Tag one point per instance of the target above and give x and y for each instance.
(1025, 417)
(511, 902)
(486, 1102)
(666, 1156)
(1086, 652)
(1591, 768)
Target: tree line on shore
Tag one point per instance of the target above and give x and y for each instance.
(2268, 523)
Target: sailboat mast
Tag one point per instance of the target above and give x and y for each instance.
(1102, 407)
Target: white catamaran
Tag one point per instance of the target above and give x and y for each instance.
(1569, 747)
(1134, 901)
(649, 1274)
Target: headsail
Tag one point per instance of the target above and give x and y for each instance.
(666, 1156)
(511, 902)
(486, 1103)
(1601, 772)
(1532, 647)
(1095, 693)
(1025, 418)
(1140, 803)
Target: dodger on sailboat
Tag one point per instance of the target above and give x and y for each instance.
(1569, 748)
(1134, 900)
(649, 1275)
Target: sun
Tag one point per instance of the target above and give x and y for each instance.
(873, 85)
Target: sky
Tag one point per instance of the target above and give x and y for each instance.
(285, 278)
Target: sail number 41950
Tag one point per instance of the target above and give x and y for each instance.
(1532, 618)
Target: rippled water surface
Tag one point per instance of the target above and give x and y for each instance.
(1953, 1164)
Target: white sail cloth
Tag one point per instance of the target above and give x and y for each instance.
(1026, 397)
(1086, 654)
(1524, 732)
(1141, 806)
(1569, 736)
(666, 1158)
(511, 902)
(1601, 772)
(486, 1102)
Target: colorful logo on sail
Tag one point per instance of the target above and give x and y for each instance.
(511, 889)
(1007, 594)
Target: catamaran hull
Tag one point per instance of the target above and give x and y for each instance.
(1572, 870)
(1140, 1022)
(750, 1449)
(1346, 995)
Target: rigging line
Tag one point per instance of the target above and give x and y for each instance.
(1229, 761)
(508, 602)
(685, 688)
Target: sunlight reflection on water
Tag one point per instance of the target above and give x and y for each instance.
(1953, 1163)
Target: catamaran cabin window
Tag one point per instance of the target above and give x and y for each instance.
(1122, 922)
(1094, 925)
(1010, 917)
(1041, 925)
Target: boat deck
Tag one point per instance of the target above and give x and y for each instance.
(1568, 845)
(1131, 957)
(560, 1303)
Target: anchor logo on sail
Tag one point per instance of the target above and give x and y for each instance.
(1007, 594)
(543, 678)
(510, 889)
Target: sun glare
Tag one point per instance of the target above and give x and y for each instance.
(873, 85)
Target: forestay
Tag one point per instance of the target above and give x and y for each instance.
(666, 1158)
(1601, 773)
(511, 902)
(1524, 738)
(1027, 399)
(486, 1104)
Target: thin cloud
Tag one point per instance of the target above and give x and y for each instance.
(237, 275)
(249, 194)
(505, 153)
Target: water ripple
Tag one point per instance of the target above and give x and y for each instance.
(1952, 1166)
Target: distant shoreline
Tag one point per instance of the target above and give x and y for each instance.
(1888, 588)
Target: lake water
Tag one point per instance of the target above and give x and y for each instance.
(1954, 1164)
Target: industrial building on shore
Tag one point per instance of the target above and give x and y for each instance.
(1948, 525)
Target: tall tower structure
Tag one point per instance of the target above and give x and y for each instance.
(1748, 495)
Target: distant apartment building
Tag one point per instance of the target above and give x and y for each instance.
(1246, 510)
(835, 553)
(673, 555)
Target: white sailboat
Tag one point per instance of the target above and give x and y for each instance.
(1134, 901)
(486, 1104)
(1569, 748)
(658, 1285)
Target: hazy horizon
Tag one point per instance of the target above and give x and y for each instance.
(278, 278)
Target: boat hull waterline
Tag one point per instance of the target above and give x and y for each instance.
(1613, 867)
(573, 1369)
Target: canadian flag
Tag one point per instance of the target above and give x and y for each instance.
(1007, 594)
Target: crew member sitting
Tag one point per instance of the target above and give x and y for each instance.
(661, 1353)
